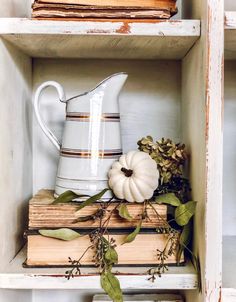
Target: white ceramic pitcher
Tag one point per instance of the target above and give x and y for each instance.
(91, 139)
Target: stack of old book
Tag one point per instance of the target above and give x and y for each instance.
(111, 9)
(44, 251)
(142, 298)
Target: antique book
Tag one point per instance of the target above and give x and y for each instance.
(45, 251)
(161, 9)
(161, 5)
(166, 4)
(44, 214)
(106, 13)
(142, 298)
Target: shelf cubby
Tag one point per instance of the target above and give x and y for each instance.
(174, 90)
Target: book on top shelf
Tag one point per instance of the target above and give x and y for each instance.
(147, 9)
(118, 3)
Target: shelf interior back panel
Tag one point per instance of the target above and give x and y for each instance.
(229, 172)
(150, 104)
(229, 177)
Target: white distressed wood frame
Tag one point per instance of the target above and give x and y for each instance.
(214, 55)
(204, 135)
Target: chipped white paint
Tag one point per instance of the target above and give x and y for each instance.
(15, 184)
(15, 162)
(214, 149)
(202, 112)
(133, 40)
(152, 28)
(15, 144)
(167, 282)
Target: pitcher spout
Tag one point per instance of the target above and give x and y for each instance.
(106, 94)
(115, 82)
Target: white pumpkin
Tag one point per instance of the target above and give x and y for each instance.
(134, 177)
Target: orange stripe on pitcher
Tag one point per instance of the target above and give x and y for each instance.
(78, 153)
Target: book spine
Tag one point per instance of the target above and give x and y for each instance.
(56, 216)
(162, 14)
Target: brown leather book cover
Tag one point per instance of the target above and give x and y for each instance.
(161, 5)
(119, 3)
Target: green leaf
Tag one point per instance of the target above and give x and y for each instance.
(197, 266)
(92, 199)
(111, 286)
(67, 196)
(184, 240)
(184, 212)
(123, 212)
(105, 241)
(185, 236)
(169, 199)
(83, 218)
(62, 234)
(133, 235)
(111, 256)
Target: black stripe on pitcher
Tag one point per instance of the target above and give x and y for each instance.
(86, 117)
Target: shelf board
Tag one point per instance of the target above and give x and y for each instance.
(228, 295)
(121, 39)
(230, 35)
(135, 278)
(229, 262)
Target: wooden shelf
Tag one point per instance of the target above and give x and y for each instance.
(17, 277)
(165, 39)
(230, 35)
(228, 295)
(229, 262)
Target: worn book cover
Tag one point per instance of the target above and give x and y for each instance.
(142, 298)
(45, 251)
(171, 4)
(106, 13)
(44, 214)
(140, 9)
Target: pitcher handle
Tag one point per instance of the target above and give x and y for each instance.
(62, 98)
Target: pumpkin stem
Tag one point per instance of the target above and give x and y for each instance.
(127, 172)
